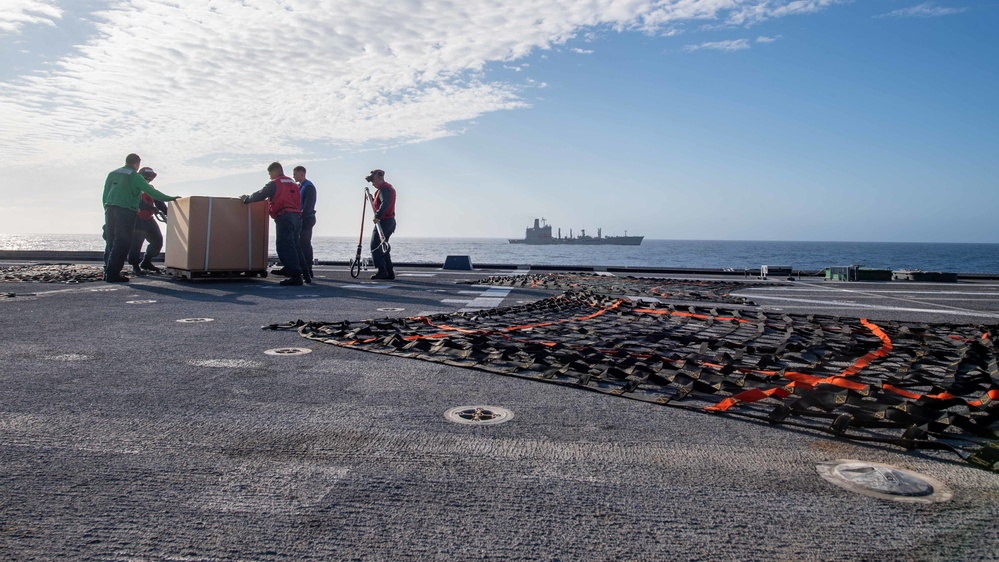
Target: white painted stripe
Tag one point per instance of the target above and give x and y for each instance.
(902, 296)
(208, 237)
(871, 291)
(486, 303)
(490, 298)
(848, 304)
(249, 239)
(961, 299)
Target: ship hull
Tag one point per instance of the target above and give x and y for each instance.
(605, 241)
(541, 235)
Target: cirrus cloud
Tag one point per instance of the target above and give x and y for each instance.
(220, 85)
(924, 10)
(17, 14)
(729, 46)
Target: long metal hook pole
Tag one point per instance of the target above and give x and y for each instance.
(383, 245)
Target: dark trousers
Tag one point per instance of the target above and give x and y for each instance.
(287, 227)
(305, 243)
(145, 231)
(118, 225)
(382, 260)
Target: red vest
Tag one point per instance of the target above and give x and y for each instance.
(146, 214)
(286, 197)
(377, 203)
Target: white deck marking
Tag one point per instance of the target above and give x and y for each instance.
(851, 304)
(874, 293)
(490, 298)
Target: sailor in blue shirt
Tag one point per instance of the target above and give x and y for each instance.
(308, 197)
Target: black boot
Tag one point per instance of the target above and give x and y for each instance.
(293, 281)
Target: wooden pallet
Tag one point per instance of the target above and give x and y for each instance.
(229, 274)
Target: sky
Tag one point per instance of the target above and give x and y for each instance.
(839, 120)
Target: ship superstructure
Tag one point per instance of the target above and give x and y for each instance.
(541, 234)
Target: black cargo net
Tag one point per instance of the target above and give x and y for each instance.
(912, 385)
(675, 289)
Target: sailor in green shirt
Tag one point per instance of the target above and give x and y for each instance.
(122, 191)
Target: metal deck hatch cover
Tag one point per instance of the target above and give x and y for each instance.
(884, 481)
(195, 320)
(288, 351)
(479, 415)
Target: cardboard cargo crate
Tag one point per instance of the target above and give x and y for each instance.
(217, 234)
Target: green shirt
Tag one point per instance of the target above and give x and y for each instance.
(124, 188)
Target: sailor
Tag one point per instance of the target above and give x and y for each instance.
(285, 208)
(384, 207)
(308, 194)
(122, 190)
(146, 230)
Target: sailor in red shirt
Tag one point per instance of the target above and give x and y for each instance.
(384, 207)
(285, 208)
(146, 230)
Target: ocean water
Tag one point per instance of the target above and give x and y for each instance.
(805, 256)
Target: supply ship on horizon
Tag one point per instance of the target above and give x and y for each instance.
(541, 234)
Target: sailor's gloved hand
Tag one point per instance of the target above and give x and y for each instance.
(243, 198)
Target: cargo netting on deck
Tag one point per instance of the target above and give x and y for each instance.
(912, 385)
(676, 289)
